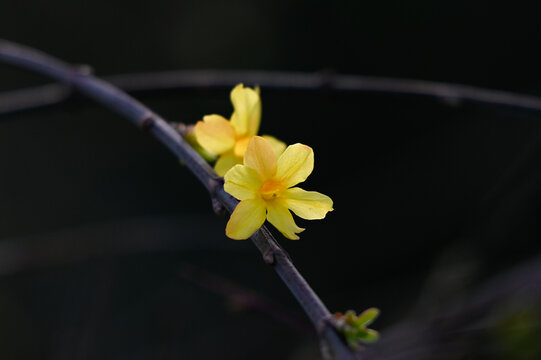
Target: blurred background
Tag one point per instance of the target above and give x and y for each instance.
(109, 248)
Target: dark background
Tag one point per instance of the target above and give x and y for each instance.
(98, 220)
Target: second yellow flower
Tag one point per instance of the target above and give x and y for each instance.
(228, 139)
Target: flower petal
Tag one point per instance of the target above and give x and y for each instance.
(261, 157)
(247, 217)
(226, 162)
(277, 145)
(246, 116)
(241, 146)
(242, 182)
(279, 216)
(215, 134)
(295, 164)
(310, 205)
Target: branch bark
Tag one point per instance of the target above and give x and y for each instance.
(211, 79)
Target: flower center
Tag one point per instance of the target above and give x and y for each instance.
(271, 189)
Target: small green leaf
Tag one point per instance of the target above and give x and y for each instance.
(354, 327)
(367, 317)
(368, 336)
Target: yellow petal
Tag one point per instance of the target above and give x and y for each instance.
(261, 157)
(247, 217)
(226, 162)
(295, 164)
(246, 116)
(215, 134)
(241, 145)
(242, 182)
(277, 145)
(309, 205)
(279, 216)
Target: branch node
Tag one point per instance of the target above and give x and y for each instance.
(329, 320)
(76, 71)
(268, 256)
(182, 128)
(146, 122)
(214, 184)
(84, 69)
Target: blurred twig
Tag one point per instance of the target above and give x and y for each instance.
(141, 116)
(34, 98)
(137, 235)
(241, 297)
(449, 333)
(26, 99)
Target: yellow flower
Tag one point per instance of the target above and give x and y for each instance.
(228, 139)
(264, 187)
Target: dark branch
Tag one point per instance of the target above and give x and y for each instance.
(128, 107)
(206, 79)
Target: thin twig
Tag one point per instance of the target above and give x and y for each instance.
(33, 98)
(186, 79)
(241, 297)
(123, 104)
(128, 236)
